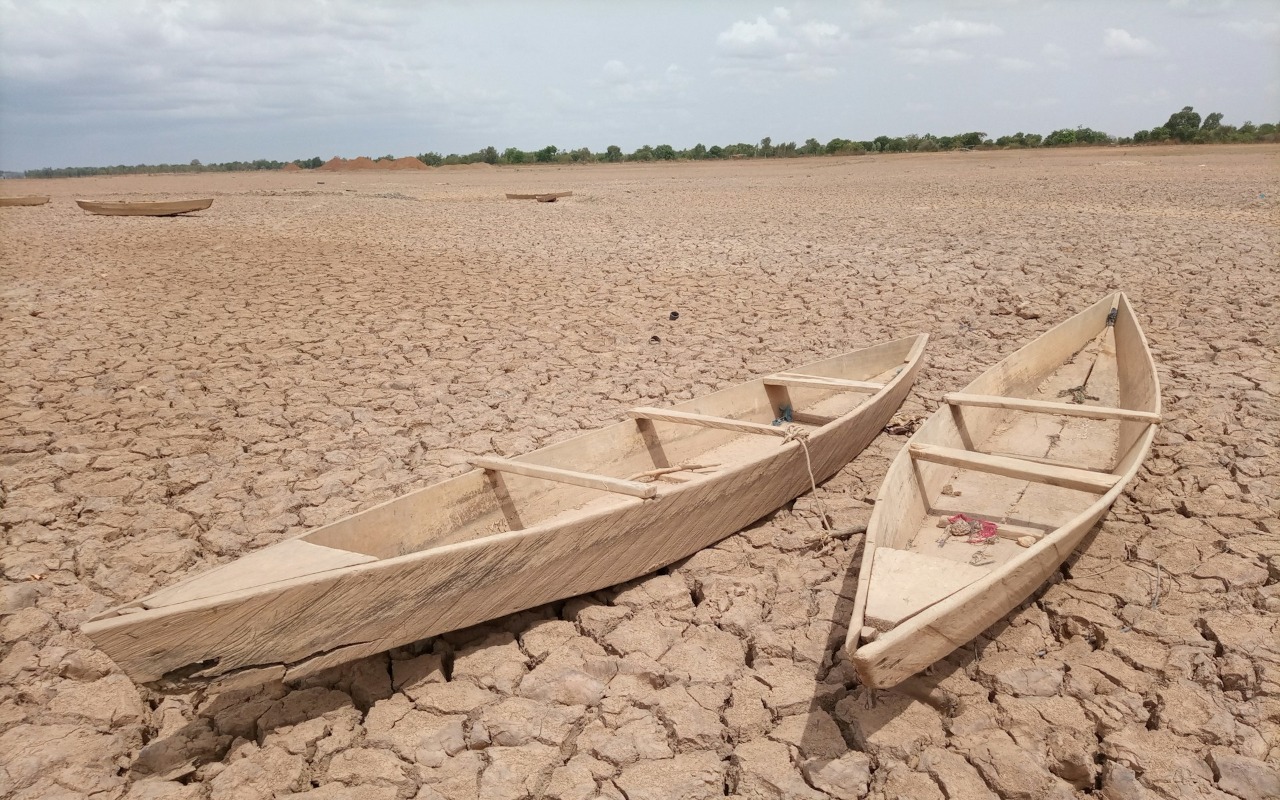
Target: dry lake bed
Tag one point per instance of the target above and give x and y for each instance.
(177, 392)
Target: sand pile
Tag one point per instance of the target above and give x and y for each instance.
(337, 164)
(291, 167)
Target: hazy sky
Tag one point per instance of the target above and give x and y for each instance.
(129, 81)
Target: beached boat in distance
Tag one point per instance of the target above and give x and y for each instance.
(29, 200)
(593, 511)
(998, 487)
(546, 197)
(158, 208)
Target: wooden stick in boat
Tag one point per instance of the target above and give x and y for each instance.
(601, 482)
(661, 471)
(820, 382)
(1066, 477)
(1044, 407)
(705, 421)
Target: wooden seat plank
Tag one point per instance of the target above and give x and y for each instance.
(820, 382)
(1067, 477)
(1045, 407)
(706, 421)
(584, 479)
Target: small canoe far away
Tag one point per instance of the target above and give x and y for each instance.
(548, 197)
(160, 208)
(29, 200)
(998, 487)
(589, 512)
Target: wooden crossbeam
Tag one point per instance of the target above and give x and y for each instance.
(705, 421)
(820, 382)
(1044, 407)
(601, 482)
(1081, 480)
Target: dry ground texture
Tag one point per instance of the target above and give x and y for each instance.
(176, 392)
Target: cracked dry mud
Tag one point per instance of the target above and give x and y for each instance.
(176, 392)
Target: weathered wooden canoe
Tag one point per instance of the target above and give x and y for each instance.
(546, 197)
(514, 533)
(29, 200)
(1007, 450)
(161, 208)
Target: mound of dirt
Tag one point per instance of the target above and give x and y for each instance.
(291, 167)
(337, 164)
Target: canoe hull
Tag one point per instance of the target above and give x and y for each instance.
(31, 200)
(300, 626)
(167, 208)
(938, 630)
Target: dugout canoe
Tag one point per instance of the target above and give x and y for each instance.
(29, 200)
(545, 197)
(513, 533)
(161, 208)
(1041, 445)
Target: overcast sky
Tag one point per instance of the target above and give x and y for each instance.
(120, 81)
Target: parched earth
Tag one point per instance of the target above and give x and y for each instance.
(176, 392)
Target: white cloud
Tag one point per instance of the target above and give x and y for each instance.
(1010, 64)
(870, 16)
(948, 30)
(1054, 55)
(783, 44)
(1256, 30)
(634, 84)
(925, 56)
(757, 39)
(1119, 43)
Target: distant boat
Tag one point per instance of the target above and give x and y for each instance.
(999, 486)
(160, 208)
(573, 517)
(29, 200)
(546, 197)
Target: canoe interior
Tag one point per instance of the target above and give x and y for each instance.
(482, 503)
(916, 564)
(29, 200)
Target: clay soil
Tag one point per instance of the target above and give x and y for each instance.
(177, 392)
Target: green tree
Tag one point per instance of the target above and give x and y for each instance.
(431, 159)
(613, 154)
(1212, 122)
(698, 152)
(513, 155)
(766, 148)
(811, 147)
(1183, 124)
(643, 154)
(546, 154)
(489, 155)
(715, 151)
(664, 152)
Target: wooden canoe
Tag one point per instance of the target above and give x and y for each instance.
(1041, 444)
(545, 197)
(161, 208)
(561, 521)
(29, 200)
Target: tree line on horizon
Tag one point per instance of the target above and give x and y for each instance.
(1182, 127)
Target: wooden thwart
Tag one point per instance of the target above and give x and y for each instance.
(705, 421)
(1044, 407)
(820, 382)
(1067, 477)
(601, 482)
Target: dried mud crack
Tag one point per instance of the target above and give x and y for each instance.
(175, 395)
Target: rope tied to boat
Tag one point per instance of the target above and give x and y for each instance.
(795, 433)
